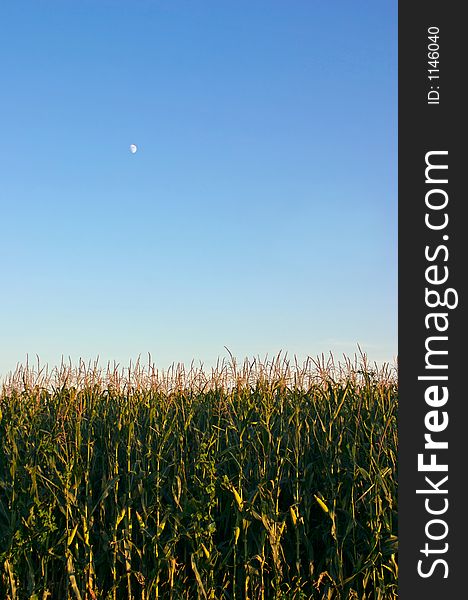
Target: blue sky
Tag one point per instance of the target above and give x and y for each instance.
(260, 210)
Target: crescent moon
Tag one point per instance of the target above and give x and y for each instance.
(133, 148)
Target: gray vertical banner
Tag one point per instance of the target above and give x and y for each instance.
(432, 425)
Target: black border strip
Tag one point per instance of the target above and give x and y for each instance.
(431, 131)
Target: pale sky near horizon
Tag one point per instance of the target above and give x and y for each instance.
(260, 211)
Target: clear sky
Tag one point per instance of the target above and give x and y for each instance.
(260, 210)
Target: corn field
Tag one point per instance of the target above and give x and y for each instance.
(259, 481)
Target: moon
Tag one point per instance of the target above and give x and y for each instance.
(133, 148)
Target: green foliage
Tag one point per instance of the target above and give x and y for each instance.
(272, 483)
